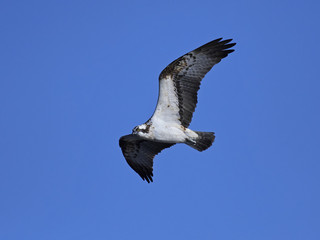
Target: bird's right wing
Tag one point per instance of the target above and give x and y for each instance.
(139, 154)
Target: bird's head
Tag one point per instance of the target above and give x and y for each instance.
(141, 130)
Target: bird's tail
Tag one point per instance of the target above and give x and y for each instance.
(202, 142)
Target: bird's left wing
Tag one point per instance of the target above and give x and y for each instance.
(180, 81)
(139, 154)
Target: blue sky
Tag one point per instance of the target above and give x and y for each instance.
(77, 75)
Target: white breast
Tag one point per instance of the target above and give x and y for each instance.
(167, 132)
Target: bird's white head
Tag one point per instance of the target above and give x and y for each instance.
(141, 130)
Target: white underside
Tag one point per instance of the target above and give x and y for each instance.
(170, 132)
(165, 120)
(165, 124)
(167, 108)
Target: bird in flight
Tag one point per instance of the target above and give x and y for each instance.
(179, 83)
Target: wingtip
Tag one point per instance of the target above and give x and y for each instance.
(230, 45)
(217, 43)
(225, 41)
(148, 179)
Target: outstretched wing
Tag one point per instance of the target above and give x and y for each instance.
(180, 81)
(139, 154)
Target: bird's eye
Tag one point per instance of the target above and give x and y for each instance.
(136, 129)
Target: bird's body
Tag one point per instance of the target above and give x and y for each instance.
(161, 131)
(179, 83)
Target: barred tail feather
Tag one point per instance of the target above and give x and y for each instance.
(203, 142)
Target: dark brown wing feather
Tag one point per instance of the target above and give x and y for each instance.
(188, 71)
(139, 154)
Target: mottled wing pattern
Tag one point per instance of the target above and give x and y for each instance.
(139, 154)
(187, 73)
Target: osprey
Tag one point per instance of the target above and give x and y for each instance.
(179, 83)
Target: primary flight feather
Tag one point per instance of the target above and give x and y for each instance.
(179, 83)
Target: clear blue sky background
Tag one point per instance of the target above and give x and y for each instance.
(77, 75)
